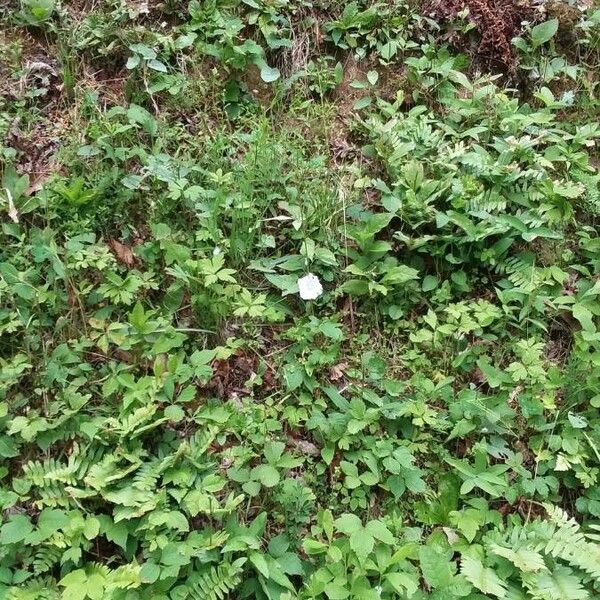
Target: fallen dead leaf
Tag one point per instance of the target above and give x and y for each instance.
(122, 253)
(12, 209)
(337, 371)
(305, 447)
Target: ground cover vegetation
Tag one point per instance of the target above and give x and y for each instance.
(177, 422)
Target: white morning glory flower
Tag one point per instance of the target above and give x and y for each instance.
(310, 287)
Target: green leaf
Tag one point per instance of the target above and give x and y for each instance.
(75, 584)
(380, 532)
(363, 102)
(174, 413)
(149, 572)
(143, 50)
(268, 74)
(372, 77)
(288, 284)
(132, 182)
(91, 529)
(403, 583)
(585, 317)
(51, 520)
(494, 377)
(114, 532)
(577, 421)
(543, 32)
(293, 376)
(327, 454)
(483, 578)
(435, 567)
(133, 61)
(362, 543)
(336, 591)
(467, 521)
(157, 65)
(528, 561)
(16, 530)
(258, 560)
(266, 474)
(430, 282)
(314, 547)
(560, 584)
(273, 451)
(388, 50)
(348, 523)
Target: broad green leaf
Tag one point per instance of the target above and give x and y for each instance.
(157, 65)
(51, 520)
(269, 74)
(483, 578)
(403, 583)
(258, 560)
(16, 530)
(362, 543)
(363, 102)
(336, 591)
(380, 532)
(372, 77)
(149, 572)
(348, 523)
(585, 317)
(435, 567)
(266, 474)
(544, 32)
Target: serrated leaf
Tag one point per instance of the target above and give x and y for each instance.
(348, 523)
(362, 543)
(435, 567)
(380, 532)
(266, 474)
(483, 578)
(16, 530)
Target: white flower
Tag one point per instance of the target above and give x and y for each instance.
(310, 287)
(568, 97)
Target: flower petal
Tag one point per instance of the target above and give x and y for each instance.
(310, 287)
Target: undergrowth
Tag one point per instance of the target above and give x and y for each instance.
(299, 300)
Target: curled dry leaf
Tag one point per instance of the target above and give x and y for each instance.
(12, 209)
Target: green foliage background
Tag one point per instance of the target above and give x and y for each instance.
(177, 423)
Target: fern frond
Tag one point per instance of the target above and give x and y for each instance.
(569, 544)
(38, 589)
(561, 584)
(199, 443)
(217, 582)
(46, 558)
(591, 184)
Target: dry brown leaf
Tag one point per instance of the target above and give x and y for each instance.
(337, 371)
(305, 447)
(122, 253)
(12, 210)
